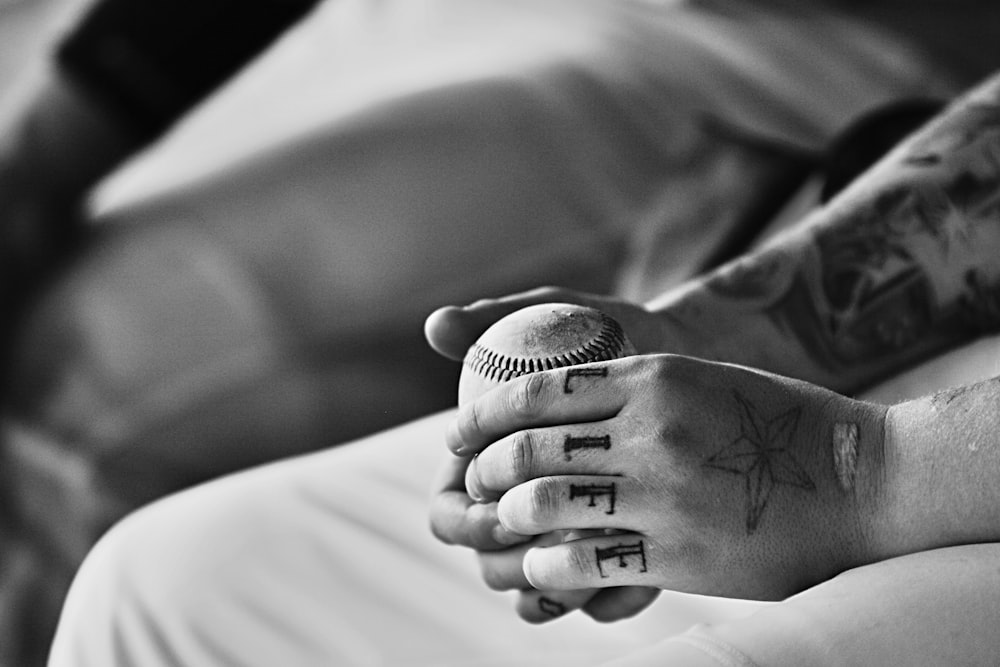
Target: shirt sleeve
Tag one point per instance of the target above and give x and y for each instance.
(149, 62)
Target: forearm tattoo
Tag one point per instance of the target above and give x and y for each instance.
(902, 264)
(761, 454)
(627, 555)
(594, 491)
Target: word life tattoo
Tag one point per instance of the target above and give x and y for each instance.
(571, 444)
(550, 607)
(593, 492)
(621, 552)
(582, 373)
(761, 455)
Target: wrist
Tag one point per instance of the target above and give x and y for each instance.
(846, 440)
(858, 442)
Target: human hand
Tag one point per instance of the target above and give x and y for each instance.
(452, 330)
(457, 519)
(714, 478)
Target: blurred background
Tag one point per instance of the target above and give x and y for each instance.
(250, 283)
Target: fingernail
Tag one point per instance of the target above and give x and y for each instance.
(472, 484)
(453, 440)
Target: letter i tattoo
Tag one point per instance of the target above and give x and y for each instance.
(582, 373)
(571, 444)
(621, 552)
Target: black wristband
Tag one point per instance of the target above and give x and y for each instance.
(150, 61)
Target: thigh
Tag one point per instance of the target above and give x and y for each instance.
(931, 608)
(318, 560)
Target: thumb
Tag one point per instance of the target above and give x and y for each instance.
(452, 330)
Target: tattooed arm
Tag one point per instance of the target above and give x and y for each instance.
(902, 264)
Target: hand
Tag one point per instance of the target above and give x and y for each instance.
(457, 519)
(712, 478)
(452, 330)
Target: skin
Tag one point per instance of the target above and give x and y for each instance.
(726, 495)
(898, 267)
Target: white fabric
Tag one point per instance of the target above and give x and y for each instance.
(321, 560)
(383, 152)
(327, 560)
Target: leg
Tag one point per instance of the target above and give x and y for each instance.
(931, 608)
(323, 559)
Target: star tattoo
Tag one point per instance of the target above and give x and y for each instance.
(760, 454)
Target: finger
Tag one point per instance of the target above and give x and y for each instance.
(573, 502)
(503, 570)
(543, 606)
(533, 453)
(583, 393)
(456, 519)
(626, 559)
(615, 604)
(451, 330)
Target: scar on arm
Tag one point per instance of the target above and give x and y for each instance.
(845, 453)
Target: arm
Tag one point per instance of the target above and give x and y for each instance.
(894, 269)
(899, 266)
(939, 474)
(723, 480)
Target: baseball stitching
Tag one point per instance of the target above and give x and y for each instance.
(609, 343)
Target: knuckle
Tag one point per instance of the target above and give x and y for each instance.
(578, 562)
(543, 501)
(671, 432)
(666, 368)
(528, 397)
(472, 423)
(522, 454)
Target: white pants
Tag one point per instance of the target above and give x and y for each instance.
(327, 559)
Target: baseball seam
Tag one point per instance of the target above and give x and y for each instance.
(608, 343)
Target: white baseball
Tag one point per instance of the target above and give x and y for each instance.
(538, 338)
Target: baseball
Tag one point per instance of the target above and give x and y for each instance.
(538, 338)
